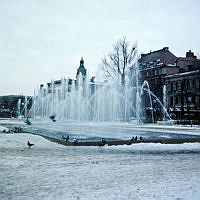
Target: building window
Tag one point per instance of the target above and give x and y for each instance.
(176, 85)
(187, 84)
(198, 83)
(194, 99)
(176, 100)
(197, 100)
(190, 84)
(171, 101)
(172, 86)
(164, 71)
(194, 83)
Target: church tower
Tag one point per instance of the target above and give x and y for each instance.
(81, 70)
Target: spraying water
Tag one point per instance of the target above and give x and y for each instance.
(164, 102)
(82, 100)
(86, 100)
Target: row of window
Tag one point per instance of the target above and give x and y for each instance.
(150, 64)
(185, 84)
(153, 72)
(177, 100)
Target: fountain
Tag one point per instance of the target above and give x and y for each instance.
(146, 84)
(19, 108)
(164, 101)
(88, 109)
(24, 106)
(84, 100)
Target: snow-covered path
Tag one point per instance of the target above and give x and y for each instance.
(140, 171)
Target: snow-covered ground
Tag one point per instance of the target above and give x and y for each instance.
(3, 129)
(140, 171)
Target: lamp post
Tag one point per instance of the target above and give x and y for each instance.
(189, 102)
(182, 100)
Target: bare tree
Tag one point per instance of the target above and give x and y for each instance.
(117, 63)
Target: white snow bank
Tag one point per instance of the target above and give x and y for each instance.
(2, 128)
(19, 140)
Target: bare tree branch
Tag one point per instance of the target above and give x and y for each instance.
(118, 62)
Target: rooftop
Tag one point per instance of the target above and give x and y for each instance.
(163, 55)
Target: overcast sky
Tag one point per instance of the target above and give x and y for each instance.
(41, 40)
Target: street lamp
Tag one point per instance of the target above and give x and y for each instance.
(189, 102)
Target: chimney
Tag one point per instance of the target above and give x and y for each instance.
(166, 48)
(190, 54)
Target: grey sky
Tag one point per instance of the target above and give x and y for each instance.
(42, 40)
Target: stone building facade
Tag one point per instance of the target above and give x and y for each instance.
(183, 89)
(181, 78)
(153, 67)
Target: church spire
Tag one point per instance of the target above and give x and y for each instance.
(81, 68)
(81, 61)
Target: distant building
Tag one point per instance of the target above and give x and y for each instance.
(67, 83)
(153, 67)
(181, 75)
(14, 105)
(183, 89)
(56, 85)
